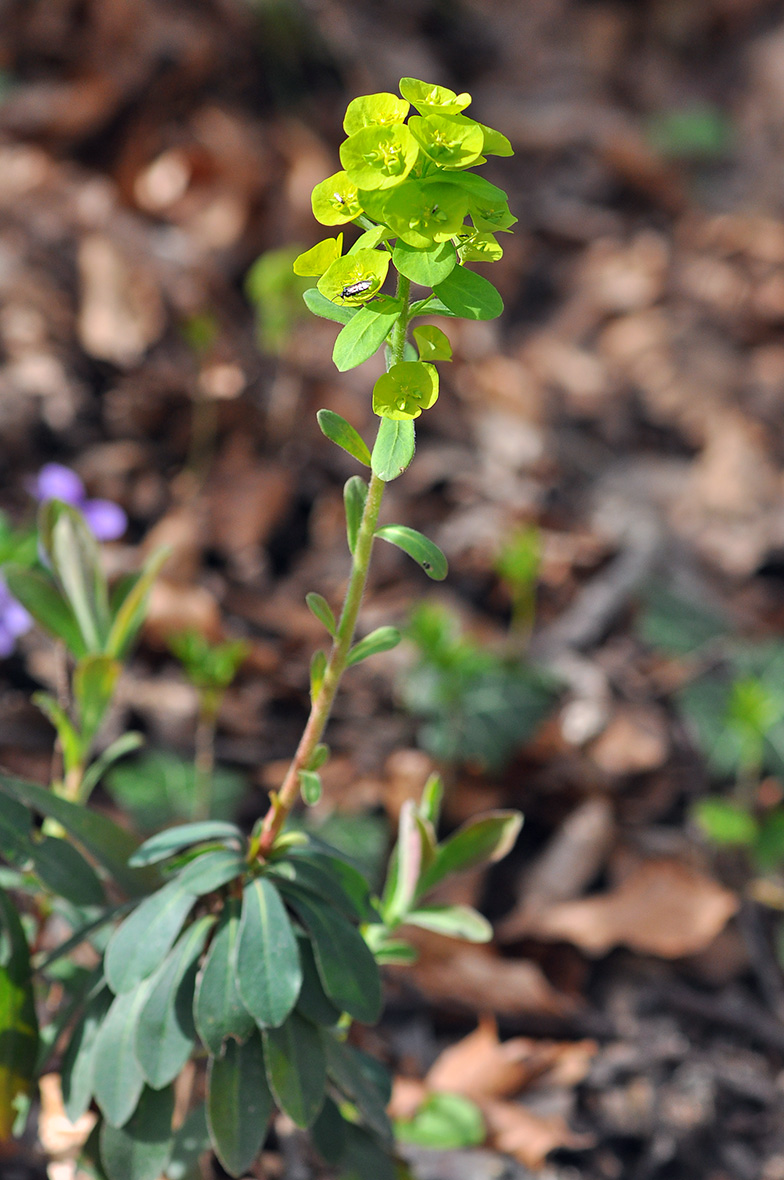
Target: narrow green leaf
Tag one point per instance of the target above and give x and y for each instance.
(165, 1031)
(140, 1149)
(432, 797)
(217, 1008)
(382, 639)
(94, 682)
(296, 1068)
(329, 1133)
(190, 1141)
(313, 1002)
(426, 267)
(76, 1073)
(125, 744)
(128, 614)
(424, 552)
(75, 559)
(38, 594)
(346, 965)
(354, 497)
(320, 608)
(354, 886)
(469, 295)
(111, 845)
(321, 306)
(212, 870)
(117, 1076)
(146, 936)
(347, 1069)
(64, 871)
(269, 973)
(455, 921)
(394, 448)
(310, 787)
(70, 741)
(484, 840)
(18, 1021)
(363, 337)
(343, 434)
(166, 844)
(322, 876)
(318, 666)
(239, 1104)
(395, 952)
(15, 831)
(403, 877)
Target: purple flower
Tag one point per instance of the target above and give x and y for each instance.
(55, 482)
(14, 621)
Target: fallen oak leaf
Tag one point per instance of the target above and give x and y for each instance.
(663, 908)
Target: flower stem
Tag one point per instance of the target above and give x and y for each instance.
(284, 800)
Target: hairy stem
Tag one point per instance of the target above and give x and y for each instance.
(285, 799)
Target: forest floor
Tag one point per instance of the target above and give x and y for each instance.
(629, 1022)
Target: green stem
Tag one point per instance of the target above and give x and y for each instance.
(284, 800)
(204, 761)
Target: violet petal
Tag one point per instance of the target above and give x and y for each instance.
(107, 520)
(56, 482)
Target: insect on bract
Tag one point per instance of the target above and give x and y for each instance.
(356, 277)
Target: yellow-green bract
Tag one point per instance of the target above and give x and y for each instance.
(336, 201)
(406, 390)
(374, 110)
(355, 278)
(316, 260)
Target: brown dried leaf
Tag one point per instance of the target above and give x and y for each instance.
(481, 1066)
(634, 742)
(662, 908)
(529, 1137)
(475, 977)
(121, 312)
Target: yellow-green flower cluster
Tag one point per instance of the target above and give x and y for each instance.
(410, 178)
(405, 181)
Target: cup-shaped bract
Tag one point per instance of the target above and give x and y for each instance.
(423, 212)
(335, 200)
(431, 99)
(355, 278)
(450, 141)
(432, 344)
(318, 258)
(406, 390)
(374, 110)
(379, 157)
(495, 143)
(473, 246)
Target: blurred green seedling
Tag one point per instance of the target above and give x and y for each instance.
(477, 705)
